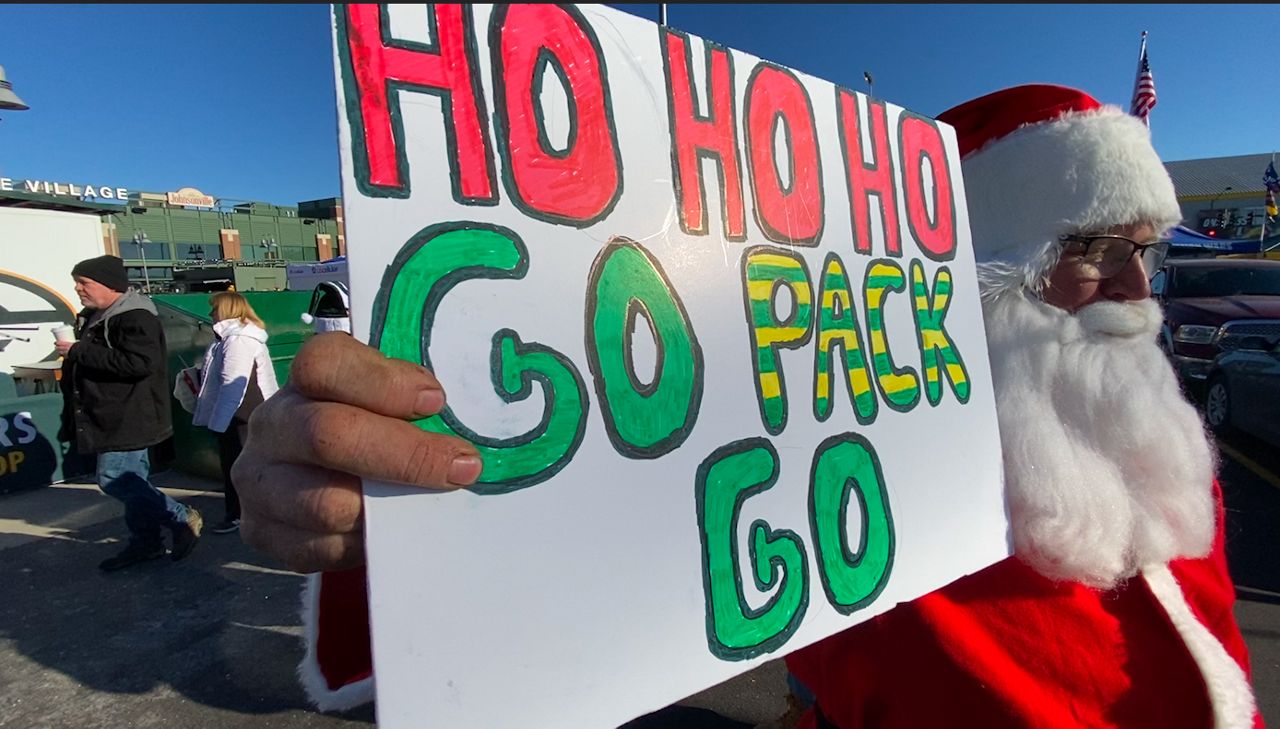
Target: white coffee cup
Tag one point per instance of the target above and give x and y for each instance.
(64, 333)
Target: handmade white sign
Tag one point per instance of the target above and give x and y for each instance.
(713, 325)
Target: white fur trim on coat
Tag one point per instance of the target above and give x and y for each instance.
(1229, 692)
(1083, 172)
(309, 675)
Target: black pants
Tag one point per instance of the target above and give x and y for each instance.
(230, 444)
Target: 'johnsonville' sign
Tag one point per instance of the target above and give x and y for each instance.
(189, 196)
(64, 189)
(713, 325)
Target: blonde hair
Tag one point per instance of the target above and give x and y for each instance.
(231, 305)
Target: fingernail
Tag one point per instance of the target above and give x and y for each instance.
(429, 402)
(464, 470)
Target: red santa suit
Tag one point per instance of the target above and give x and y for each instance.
(1116, 610)
(1007, 647)
(337, 668)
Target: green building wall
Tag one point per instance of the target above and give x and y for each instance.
(182, 235)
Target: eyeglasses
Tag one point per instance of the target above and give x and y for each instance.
(1103, 256)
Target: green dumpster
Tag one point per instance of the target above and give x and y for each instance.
(189, 331)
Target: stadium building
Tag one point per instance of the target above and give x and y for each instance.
(188, 241)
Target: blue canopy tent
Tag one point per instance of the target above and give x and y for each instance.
(1184, 241)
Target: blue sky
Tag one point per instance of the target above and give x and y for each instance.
(238, 100)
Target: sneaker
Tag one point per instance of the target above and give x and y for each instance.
(186, 534)
(226, 526)
(133, 554)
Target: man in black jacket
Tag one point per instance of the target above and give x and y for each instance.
(116, 404)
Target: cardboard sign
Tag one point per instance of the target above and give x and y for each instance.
(713, 325)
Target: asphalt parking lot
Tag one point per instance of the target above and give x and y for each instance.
(1250, 478)
(213, 641)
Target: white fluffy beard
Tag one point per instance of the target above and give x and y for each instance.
(1107, 466)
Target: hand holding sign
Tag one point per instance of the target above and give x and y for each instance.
(299, 475)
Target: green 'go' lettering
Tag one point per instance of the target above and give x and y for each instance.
(429, 265)
(725, 480)
(642, 420)
(845, 466)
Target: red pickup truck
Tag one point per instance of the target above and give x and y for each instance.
(1210, 305)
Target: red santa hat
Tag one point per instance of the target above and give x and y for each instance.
(1040, 161)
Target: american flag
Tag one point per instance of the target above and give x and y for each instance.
(1144, 88)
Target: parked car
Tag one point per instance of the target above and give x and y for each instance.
(1244, 389)
(1211, 305)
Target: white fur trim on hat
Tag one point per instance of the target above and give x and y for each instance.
(1084, 172)
(331, 324)
(309, 674)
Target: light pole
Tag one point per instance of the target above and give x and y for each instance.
(9, 101)
(269, 244)
(1213, 201)
(141, 239)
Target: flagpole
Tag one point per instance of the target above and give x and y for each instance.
(1262, 234)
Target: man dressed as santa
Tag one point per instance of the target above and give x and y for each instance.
(1116, 610)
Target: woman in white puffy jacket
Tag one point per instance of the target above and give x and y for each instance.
(237, 377)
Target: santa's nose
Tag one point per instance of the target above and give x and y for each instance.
(1130, 284)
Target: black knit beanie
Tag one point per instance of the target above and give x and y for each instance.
(106, 270)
